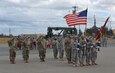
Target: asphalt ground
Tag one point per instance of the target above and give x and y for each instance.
(105, 61)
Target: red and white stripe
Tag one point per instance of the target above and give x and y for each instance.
(73, 19)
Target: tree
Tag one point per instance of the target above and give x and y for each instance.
(88, 32)
(110, 33)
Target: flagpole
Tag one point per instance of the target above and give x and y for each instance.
(85, 30)
(85, 25)
(79, 18)
(79, 29)
(74, 11)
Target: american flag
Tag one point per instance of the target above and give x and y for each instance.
(77, 19)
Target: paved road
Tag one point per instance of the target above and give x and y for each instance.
(106, 63)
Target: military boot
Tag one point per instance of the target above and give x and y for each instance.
(26, 61)
(13, 62)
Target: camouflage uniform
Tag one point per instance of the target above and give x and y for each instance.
(93, 54)
(41, 43)
(74, 43)
(19, 43)
(33, 43)
(60, 47)
(25, 51)
(88, 53)
(68, 48)
(82, 52)
(12, 51)
(55, 49)
(105, 41)
(28, 42)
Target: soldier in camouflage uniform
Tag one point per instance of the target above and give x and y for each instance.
(68, 48)
(28, 42)
(80, 52)
(96, 47)
(94, 54)
(12, 50)
(82, 55)
(55, 48)
(25, 50)
(41, 43)
(88, 51)
(74, 42)
(19, 43)
(60, 47)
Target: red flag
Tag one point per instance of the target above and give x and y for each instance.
(77, 19)
(102, 30)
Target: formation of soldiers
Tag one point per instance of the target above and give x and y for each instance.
(26, 44)
(79, 51)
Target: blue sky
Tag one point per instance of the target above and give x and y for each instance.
(34, 16)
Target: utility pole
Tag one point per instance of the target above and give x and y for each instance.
(9, 31)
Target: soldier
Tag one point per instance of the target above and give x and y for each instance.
(28, 42)
(55, 48)
(12, 50)
(31, 45)
(18, 43)
(60, 46)
(25, 50)
(98, 45)
(68, 48)
(41, 43)
(82, 51)
(74, 51)
(105, 41)
(34, 43)
(88, 51)
(94, 54)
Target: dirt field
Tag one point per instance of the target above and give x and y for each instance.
(3, 40)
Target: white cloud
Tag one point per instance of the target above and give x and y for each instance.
(9, 26)
(31, 14)
(14, 1)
